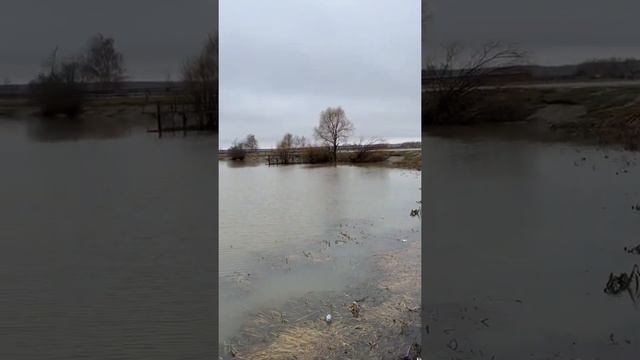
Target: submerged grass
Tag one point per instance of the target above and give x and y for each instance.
(387, 324)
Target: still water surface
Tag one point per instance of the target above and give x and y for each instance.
(106, 241)
(282, 231)
(520, 238)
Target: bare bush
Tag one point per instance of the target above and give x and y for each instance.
(237, 151)
(288, 147)
(316, 154)
(450, 83)
(363, 150)
(58, 89)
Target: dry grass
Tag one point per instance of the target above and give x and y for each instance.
(387, 326)
(620, 125)
(616, 125)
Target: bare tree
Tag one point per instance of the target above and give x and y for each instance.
(102, 63)
(251, 143)
(237, 151)
(334, 129)
(299, 141)
(200, 78)
(285, 146)
(288, 145)
(450, 82)
(70, 70)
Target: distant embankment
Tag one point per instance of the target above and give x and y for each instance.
(413, 145)
(126, 89)
(606, 111)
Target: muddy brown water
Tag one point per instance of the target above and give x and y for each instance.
(295, 232)
(106, 241)
(520, 238)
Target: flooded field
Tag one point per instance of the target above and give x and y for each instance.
(106, 239)
(300, 242)
(521, 237)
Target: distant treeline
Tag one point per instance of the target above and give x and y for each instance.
(331, 144)
(379, 146)
(612, 68)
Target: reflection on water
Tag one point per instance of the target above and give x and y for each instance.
(105, 243)
(527, 233)
(102, 124)
(287, 231)
(63, 129)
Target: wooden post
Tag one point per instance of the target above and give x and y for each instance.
(184, 124)
(158, 118)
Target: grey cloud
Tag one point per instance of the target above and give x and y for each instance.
(583, 28)
(154, 35)
(283, 62)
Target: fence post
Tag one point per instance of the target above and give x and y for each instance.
(158, 118)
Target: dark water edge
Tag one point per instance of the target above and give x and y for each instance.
(520, 238)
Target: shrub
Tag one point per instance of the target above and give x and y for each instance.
(317, 155)
(54, 96)
(237, 152)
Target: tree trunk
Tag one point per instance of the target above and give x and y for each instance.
(335, 154)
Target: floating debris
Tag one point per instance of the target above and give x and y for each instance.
(633, 250)
(355, 309)
(628, 282)
(453, 344)
(328, 319)
(612, 339)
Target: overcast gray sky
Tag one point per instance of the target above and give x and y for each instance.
(554, 31)
(155, 36)
(284, 61)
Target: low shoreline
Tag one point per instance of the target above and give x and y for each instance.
(409, 159)
(608, 116)
(387, 322)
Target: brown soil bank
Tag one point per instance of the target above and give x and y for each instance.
(387, 325)
(610, 115)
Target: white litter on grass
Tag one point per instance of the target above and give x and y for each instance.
(328, 318)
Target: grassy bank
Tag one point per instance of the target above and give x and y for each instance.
(401, 159)
(610, 115)
(20, 107)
